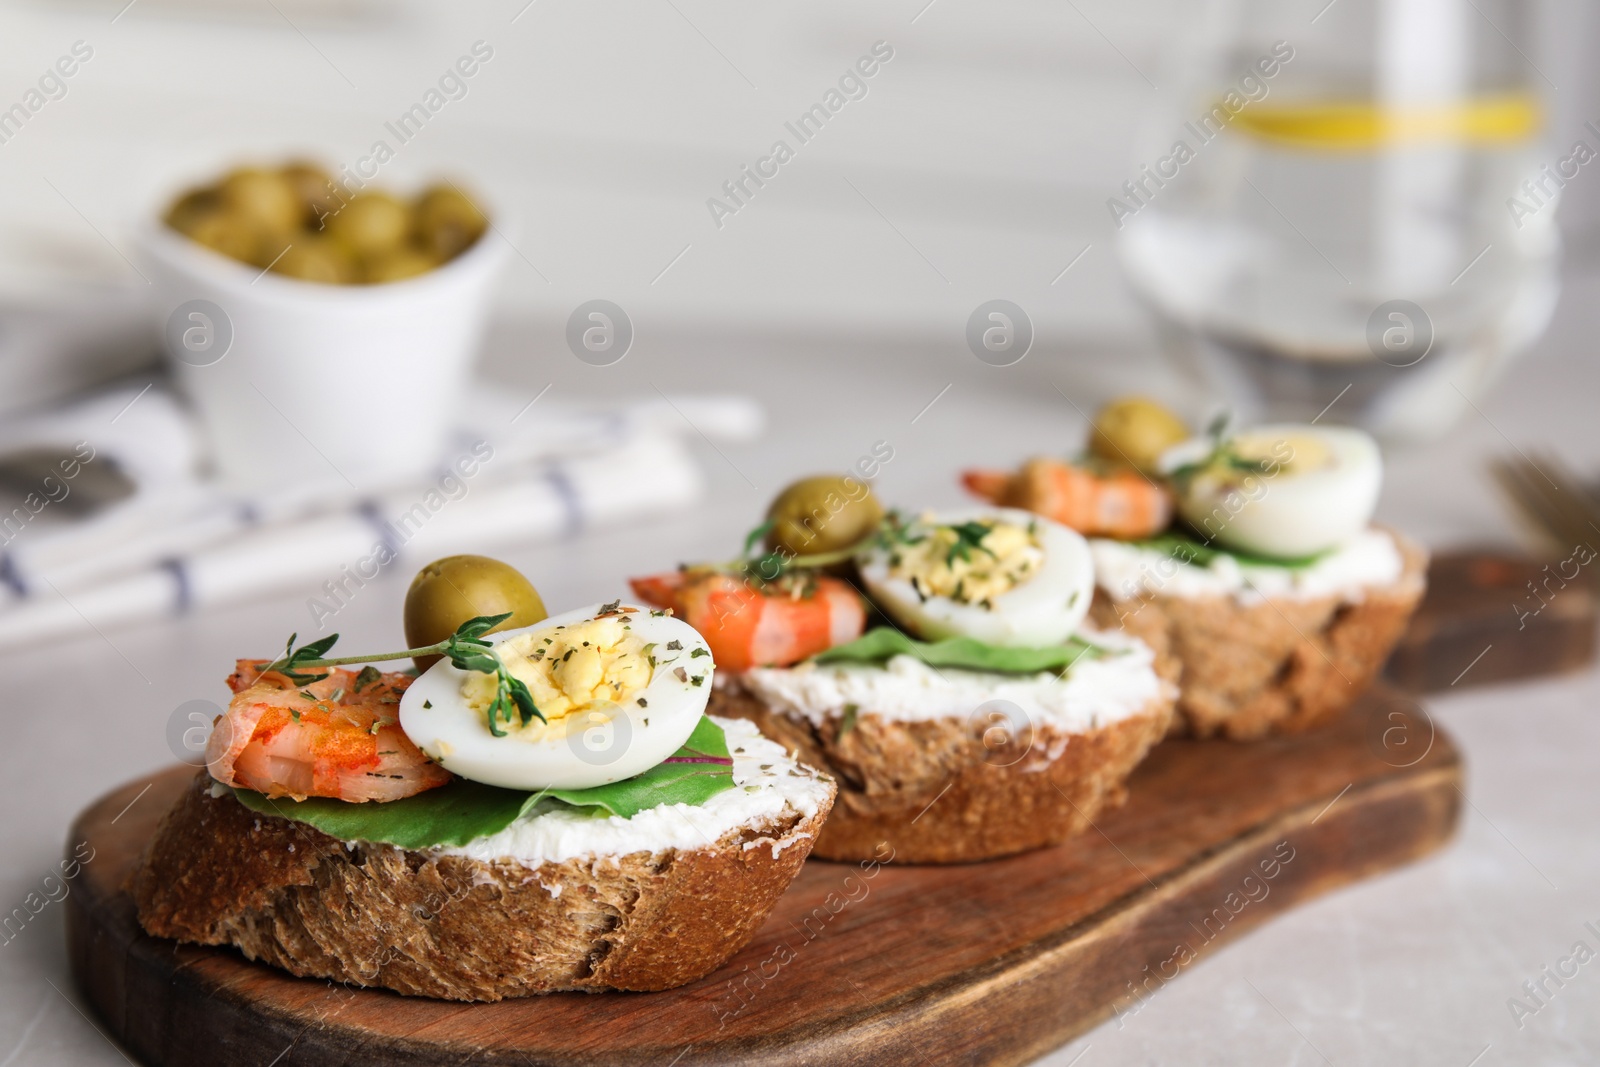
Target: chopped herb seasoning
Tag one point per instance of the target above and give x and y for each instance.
(848, 722)
(969, 536)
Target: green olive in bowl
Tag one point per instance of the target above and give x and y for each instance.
(314, 258)
(1135, 430)
(264, 197)
(823, 513)
(193, 209)
(397, 264)
(449, 591)
(448, 222)
(314, 187)
(227, 233)
(371, 224)
(255, 214)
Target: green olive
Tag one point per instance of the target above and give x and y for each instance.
(314, 188)
(449, 591)
(314, 258)
(398, 264)
(370, 224)
(823, 513)
(228, 233)
(1135, 430)
(448, 222)
(264, 197)
(193, 208)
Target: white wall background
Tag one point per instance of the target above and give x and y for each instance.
(977, 166)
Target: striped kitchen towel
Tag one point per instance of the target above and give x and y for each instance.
(157, 538)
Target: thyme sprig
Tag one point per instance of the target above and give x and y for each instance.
(465, 649)
(896, 530)
(969, 536)
(780, 563)
(1222, 454)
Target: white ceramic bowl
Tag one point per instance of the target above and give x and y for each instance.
(359, 383)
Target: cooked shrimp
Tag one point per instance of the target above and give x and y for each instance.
(325, 739)
(1123, 503)
(747, 626)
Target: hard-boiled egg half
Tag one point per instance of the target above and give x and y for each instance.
(621, 690)
(1287, 491)
(1001, 575)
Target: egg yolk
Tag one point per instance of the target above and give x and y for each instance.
(970, 563)
(1292, 454)
(569, 668)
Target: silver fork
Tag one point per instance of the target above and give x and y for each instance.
(1554, 499)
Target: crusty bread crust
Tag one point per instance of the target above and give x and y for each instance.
(926, 790)
(453, 927)
(1250, 670)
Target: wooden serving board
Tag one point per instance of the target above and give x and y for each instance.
(1482, 621)
(985, 963)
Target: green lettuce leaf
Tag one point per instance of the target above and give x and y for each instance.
(453, 814)
(966, 653)
(1185, 549)
(694, 774)
(463, 810)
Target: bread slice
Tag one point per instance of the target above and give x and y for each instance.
(448, 924)
(1252, 667)
(937, 790)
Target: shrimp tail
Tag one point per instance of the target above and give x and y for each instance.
(246, 672)
(990, 485)
(659, 590)
(1118, 503)
(747, 626)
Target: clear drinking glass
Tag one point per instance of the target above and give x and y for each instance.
(1353, 203)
